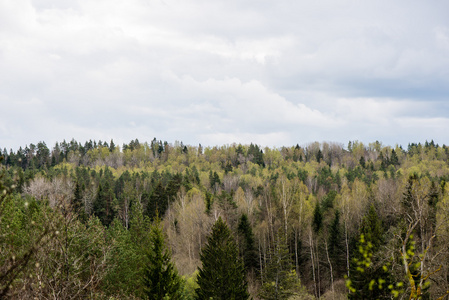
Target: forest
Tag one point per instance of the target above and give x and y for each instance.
(159, 220)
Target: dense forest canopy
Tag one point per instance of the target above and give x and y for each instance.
(320, 220)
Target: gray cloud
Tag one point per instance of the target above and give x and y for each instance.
(214, 72)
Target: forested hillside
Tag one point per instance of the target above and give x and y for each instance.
(322, 220)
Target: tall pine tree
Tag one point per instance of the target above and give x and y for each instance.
(222, 275)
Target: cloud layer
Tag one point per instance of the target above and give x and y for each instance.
(215, 72)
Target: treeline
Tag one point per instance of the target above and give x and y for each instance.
(318, 220)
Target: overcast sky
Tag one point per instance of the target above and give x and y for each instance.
(271, 72)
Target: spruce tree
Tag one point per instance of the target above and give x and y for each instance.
(161, 279)
(249, 250)
(367, 267)
(394, 160)
(335, 242)
(317, 222)
(222, 275)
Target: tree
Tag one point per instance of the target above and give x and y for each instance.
(157, 200)
(256, 155)
(369, 272)
(161, 279)
(130, 247)
(335, 242)
(73, 264)
(20, 238)
(394, 160)
(279, 279)
(319, 156)
(368, 280)
(249, 251)
(417, 250)
(317, 218)
(222, 275)
(103, 204)
(111, 146)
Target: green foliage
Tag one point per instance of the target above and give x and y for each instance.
(335, 242)
(325, 178)
(328, 201)
(21, 235)
(190, 285)
(222, 275)
(280, 280)
(103, 204)
(354, 173)
(256, 155)
(370, 278)
(129, 251)
(317, 218)
(249, 251)
(319, 156)
(394, 160)
(125, 262)
(366, 284)
(325, 210)
(160, 278)
(214, 180)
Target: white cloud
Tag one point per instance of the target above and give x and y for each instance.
(282, 72)
(252, 103)
(266, 139)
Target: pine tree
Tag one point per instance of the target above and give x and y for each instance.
(161, 279)
(222, 275)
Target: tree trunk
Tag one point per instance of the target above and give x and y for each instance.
(296, 252)
(330, 267)
(313, 263)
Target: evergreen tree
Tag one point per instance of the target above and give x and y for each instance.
(111, 146)
(256, 155)
(77, 201)
(214, 179)
(319, 156)
(317, 218)
(367, 268)
(211, 179)
(279, 278)
(362, 162)
(161, 279)
(248, 246)
(157, 201)
(394, 160)
(222, 275)
(103, 206)
(335, 242)
(208, 201)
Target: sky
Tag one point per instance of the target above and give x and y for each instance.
(276, 73)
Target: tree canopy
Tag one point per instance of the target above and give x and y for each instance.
(222, 274)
